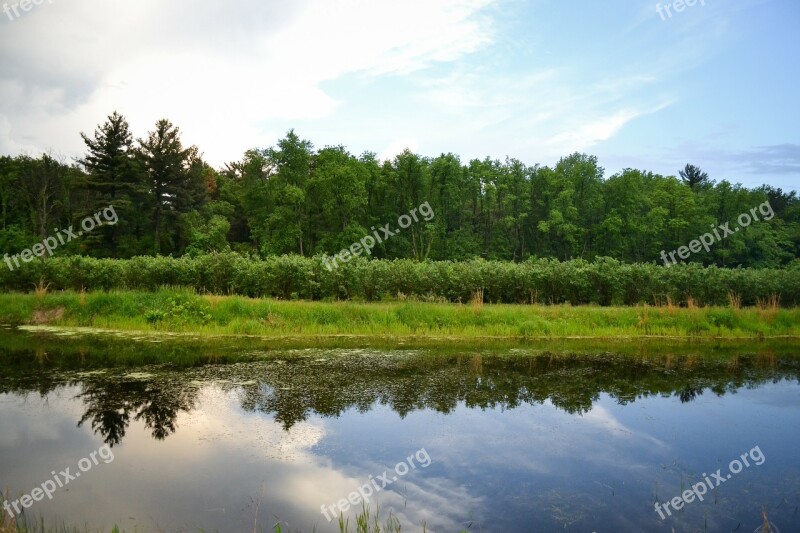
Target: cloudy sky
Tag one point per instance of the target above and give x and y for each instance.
(715, 85)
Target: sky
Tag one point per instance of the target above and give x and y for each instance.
(639, 84)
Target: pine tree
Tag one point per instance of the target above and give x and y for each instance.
(171, 172)
(113, 180)
(693, 177)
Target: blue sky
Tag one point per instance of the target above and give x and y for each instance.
(714, 85)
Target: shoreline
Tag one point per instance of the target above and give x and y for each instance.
(56, 330)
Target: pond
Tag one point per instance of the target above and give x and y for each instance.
(236, 435)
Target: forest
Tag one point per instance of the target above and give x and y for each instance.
(295, 198)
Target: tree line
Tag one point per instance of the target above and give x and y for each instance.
(293, 198)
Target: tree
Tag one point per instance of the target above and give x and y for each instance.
(113, 179)
(172, 170)
(44, 183)
(290, 167)
(411, 181)
(694, 177)
(336, 199)
(450, 201)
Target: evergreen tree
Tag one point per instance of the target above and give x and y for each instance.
(114, 179)
(172, 174)
(693, 177)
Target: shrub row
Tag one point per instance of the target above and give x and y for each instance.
(604, 281)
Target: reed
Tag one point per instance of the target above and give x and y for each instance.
(734, 300)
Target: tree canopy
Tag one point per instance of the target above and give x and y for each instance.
(294, 198)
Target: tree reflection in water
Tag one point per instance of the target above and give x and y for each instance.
(292, 386)
(111, 402)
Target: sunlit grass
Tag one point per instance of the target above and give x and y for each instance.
(180, 310)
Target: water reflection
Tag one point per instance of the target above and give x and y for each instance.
(110, 403)
(294, 385)
(521, 438)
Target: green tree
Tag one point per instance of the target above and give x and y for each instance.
(410, 177)
(337, 196)
(289, 170)
(115, 179)
(44, 186)
(173, 174)
(693, 177)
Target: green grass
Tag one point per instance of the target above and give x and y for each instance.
(9, 524)
(182, 311)
(366, 521)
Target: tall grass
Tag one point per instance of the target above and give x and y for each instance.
(9, 524)
(366, 521)
(181, 310)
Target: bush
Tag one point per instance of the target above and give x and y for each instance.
(605, 281)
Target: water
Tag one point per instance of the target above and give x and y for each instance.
(506, 439)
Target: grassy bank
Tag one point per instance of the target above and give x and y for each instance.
(176, 310)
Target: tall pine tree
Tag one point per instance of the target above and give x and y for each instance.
(173, 173)
(113, 179)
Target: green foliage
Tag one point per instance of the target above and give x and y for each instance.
(604, 281)
(184, 309)
(174, 176)
(113, 178)
(292, 198)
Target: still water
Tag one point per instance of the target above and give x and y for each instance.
(237, 437)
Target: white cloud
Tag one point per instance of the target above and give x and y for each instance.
(396, 147)
(219, 72)
(603, 418)
(541, 114)
(589, 133)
